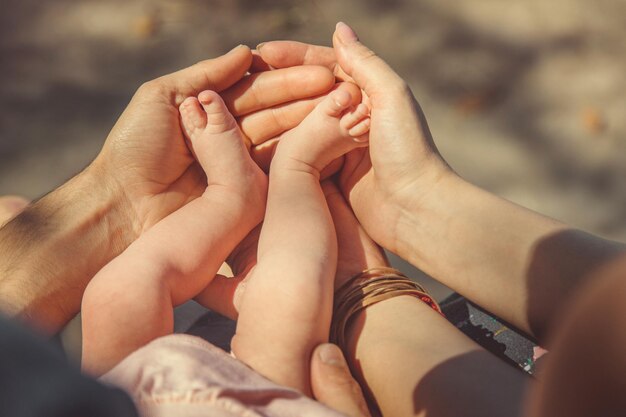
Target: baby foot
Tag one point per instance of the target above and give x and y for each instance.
(218, 145)
(331, 130)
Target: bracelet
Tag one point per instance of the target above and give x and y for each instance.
(368, 288)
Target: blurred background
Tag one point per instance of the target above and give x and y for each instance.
(524, 98)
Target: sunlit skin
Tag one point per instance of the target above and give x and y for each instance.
(285, 309)
(130, 301)
(144, 172)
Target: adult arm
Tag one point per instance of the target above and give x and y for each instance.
(409, 359)
(143, 173)
(518, 264)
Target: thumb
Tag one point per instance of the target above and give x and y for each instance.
(367, 69)
(215, 74)
(333, 384)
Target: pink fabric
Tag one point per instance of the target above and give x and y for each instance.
(185, 376)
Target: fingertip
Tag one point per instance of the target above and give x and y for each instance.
(363, 109)
(345, 34)
(207, 96)
(331, 355)
(333, 384)
(240, 51)
(360, 130)
(341, 98)
(282, 54)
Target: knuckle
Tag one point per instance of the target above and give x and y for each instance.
(152, 87)
(399, 87)
(368, 55)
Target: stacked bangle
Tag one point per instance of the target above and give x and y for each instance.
(368, 288)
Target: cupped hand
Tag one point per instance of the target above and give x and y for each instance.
(402, 164)
(145, 160)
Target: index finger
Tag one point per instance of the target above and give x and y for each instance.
(267, 89)
(285, 54)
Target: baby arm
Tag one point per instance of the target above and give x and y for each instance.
(130, 301)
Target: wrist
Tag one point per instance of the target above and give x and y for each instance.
(110, 202)
(51, 250)
(432, 200)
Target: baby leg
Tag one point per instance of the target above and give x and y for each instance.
(130, 301)
(286, 307)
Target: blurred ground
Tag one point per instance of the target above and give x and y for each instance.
(525, 98)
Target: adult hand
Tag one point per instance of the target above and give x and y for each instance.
(144, 172)
(402, 164)
(145, 157)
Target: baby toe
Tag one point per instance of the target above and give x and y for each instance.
(352, 118)
(193, 117)
(218, 116)
(335, 103)
(359, 132)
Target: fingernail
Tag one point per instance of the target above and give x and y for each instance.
(331, 355)
(345, 34)
(259, 46)
(235, 48)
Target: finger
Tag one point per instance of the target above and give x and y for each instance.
(285, 54)
(213, 74)
(369, 71)
(258, 65)
(270, 88)
(271, 123)
(11, 206)
(333, 384)
(267, 124)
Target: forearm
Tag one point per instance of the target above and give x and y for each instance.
(422, 365)
(52, 250)
(516, 263)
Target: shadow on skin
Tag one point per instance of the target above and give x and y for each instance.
(562, 265)
(448, 388)
(585, 373)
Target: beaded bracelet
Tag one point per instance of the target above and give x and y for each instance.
(368, 288)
